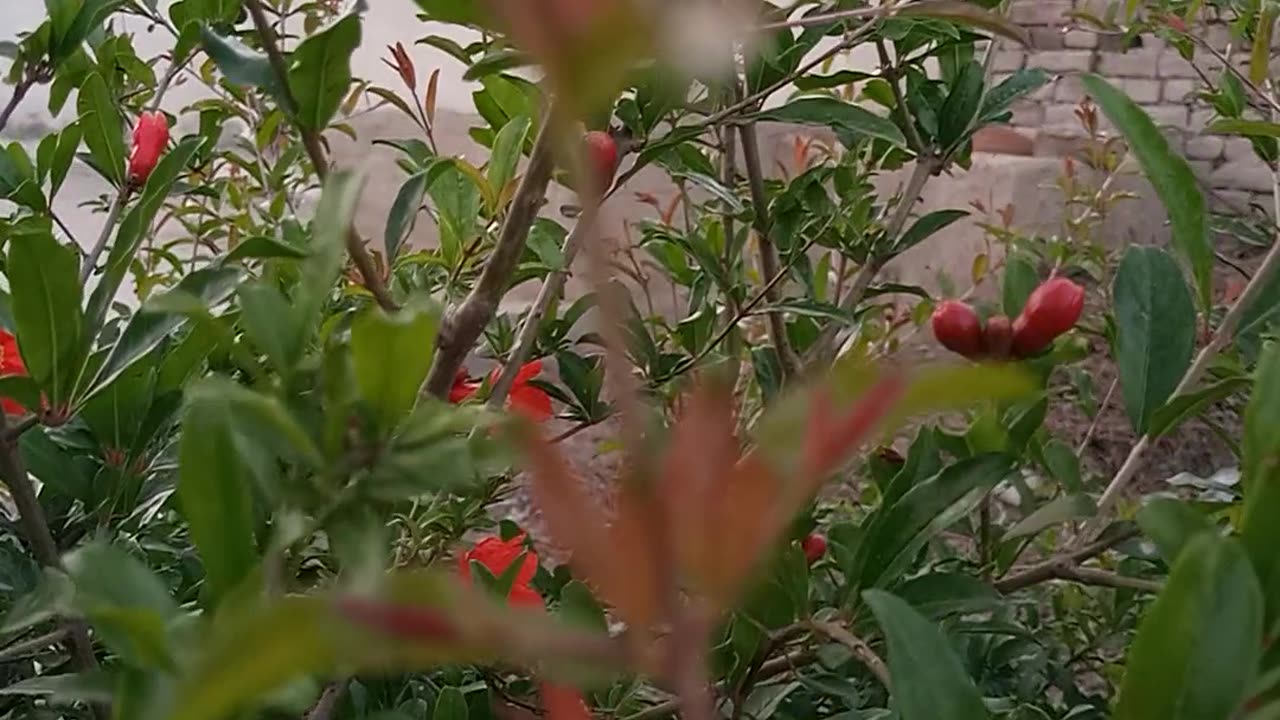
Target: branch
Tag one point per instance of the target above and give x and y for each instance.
(462, 327)
(1062, 570)
(113, 216)
(1050, 569)
(925, 167)
(315, 151)
(768, 251)
(36, 528)
(1222, 336)
(549, 293)
(21, 649)
(769, 669)
(19, 92)
(328, 701)
(861, 650)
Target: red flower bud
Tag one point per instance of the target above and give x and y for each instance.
(956, 326)
(150, 136)
(403, 65)
(997, 337)
(602, 158)
(1052, 310)
(814, 547)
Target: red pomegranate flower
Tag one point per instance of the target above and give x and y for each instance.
(496, 555)
(524, 398)
(10, 364)
(150, 136)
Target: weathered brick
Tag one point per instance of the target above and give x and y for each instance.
(1177, 90)
(1136, 63)
(1199, 119)
(1172, 65)
(1007, 60)
(1059, 141)
(1216, 35)
(1237, 148)
(1047, 38)
(1068, 88)
(1223, 200)
(1141, 90)
(1040, 12)
(1062, 60)
(1172, 115)
(1242, 175)
(1060, 115)
(1080, 39)
(1028, 114)
(1115, 42)
(1205, 147)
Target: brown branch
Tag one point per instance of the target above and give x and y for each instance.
(925, 167)
(464, 324)
(19, 92)
(21, 649)
(315, 151)
(328, 701)
(1052, 568)
(36, 529)
(770, 669)
(861, 650)
(769, 262)
(548, 294)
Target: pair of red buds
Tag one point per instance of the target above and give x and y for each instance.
(1051, 310)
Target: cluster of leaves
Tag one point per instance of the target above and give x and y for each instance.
(246, 493)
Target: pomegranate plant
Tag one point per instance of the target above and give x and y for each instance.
(259, 464)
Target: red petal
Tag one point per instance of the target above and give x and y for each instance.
(531, 402)
(11, 407)
(528, 371)
(564, 703)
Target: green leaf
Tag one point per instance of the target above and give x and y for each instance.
(895, 534)
(92, 687)
(1020, 279)
(213, 491)
(1156, 327)
(1171, 177)
(580, 607)
(102, 127)
(961, 106)
(135, 228)
(63, 155)
(320, 270)
(45, 281)
(843, 117)
(1171, 524)
(127, 604)
(147, 328)
(1183, 407)
(404, 213)
(928, 680)
(451, 704)
(391, 355)
(1059, 510)
(320, 73)
(926, 226)
(1197, 648)
(18, 180)
(970, 14)
(269, 322)
(240, 64)
(1247, 128)
(495, 62)
(999, 98)
(262, 419)
(1261, 473)
(262, 247)
(507, 147)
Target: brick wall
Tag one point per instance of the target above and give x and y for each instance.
(1154, 75)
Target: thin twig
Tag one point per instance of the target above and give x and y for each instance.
(925, 167)
(108, 225)
(36, 528)
(19, 92)
(22, 649)
(1097, 416)
(861, 650)
(464, 324)
(889, 72)
(315, 151)
(548, 294)
(769, 261)
(1047, 570)
(1221, 336)
(327, 704)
